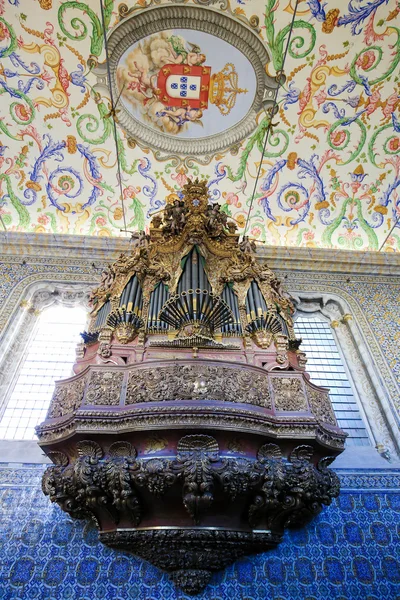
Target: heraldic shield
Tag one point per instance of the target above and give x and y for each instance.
(184, 85)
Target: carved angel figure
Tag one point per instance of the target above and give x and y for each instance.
(216, 220)
(140, 239)
(107, 278)
(247, 245)
(175, 217)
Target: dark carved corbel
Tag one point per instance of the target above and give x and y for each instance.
(118, 479)
(238, 475)
(279, 492)
(195, 453)
(267, 498)
(156, 475)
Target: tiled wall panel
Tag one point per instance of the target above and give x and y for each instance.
(350, 552)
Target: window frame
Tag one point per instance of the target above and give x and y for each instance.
(368, 387)
(319, 316)
(15, 341)
(36, 378)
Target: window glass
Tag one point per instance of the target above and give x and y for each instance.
(326, 368)
(50, 356)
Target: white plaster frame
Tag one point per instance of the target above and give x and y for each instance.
(370, 391)
(14, 345)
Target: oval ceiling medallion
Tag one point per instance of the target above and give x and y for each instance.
(190, 80)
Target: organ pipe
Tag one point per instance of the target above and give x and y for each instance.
(194, 301)
(102, 315)
(258, 315)
(232, 301)
(132, 297)
(157, 299)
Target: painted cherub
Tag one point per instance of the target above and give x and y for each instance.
(180, 116)
(193, 57)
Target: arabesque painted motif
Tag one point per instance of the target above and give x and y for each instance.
(331, 170)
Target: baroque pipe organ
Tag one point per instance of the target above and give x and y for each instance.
(190, 431)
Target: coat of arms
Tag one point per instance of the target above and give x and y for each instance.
(167, 81)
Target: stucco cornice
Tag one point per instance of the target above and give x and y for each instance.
(31, 246)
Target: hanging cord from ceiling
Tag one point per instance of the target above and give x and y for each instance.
(397, 222)
(271, 113)
(113, 112)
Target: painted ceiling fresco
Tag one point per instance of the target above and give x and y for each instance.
(330, 176)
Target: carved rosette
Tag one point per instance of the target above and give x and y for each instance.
(114, 485)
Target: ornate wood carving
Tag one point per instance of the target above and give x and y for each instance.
(289, 394)
(193, 382)
(273, 492)
(165, 476)
(104, 388)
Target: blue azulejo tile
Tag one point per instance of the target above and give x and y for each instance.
(380, 533)
(87, 571)
(90, 534)
(363, 570)
(334, 571)
(245, 572)
(149, 574)
(346, 502)
(371, 502)
(353, 534)
(393, 502)
(22, 571)
(32, 532)
(391, 569)
(274, 570)
(326, 534)
(62, 533)
(299, 537)
(305, 571)
(119, 571)
(55, 571)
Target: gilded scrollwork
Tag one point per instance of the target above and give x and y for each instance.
(194, 382)
(66, 398)
(193, 220)
(289, 394)
(104, 388)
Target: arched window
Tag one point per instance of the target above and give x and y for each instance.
(339, 358)
(49, 356)
(326, 368)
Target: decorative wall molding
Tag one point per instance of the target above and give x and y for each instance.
(28, 246)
